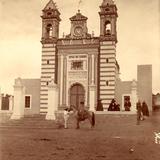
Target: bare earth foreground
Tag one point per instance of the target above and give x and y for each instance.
(114, 137)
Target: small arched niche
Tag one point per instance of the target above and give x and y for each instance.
(49, 31)
(108, 28)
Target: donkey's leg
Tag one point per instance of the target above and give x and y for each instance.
(77, 124)
(90, 120)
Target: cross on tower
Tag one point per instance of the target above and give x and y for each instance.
(79, 4)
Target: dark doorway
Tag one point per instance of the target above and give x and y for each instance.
(77, 94)
(5, 102)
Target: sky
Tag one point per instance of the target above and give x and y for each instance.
(138, 28)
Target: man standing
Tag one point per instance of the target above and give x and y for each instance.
(145, 110)
(66, 117)
(127, 105)
(81, 111)
(99, 105)
(139, 110)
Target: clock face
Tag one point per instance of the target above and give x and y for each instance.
(78, 31)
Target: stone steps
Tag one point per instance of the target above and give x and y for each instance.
(39, 121)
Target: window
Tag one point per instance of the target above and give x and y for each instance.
(107, 9)
(28, 102)
(49, 13)
(108, 27)
(107, 60)
(47, 61)
(77, 65)
(47, 83)
(49, 30)
(107, 83)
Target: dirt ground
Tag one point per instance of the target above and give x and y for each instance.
(113, 138)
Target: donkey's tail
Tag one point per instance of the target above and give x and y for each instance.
(93, 119)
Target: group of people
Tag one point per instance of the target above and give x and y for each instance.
(113, 106)
(142, 111)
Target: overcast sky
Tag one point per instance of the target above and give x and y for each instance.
(20, 33)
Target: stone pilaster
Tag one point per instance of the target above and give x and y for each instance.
(10, 103)
(134, 97)
(64, 79)
(61, 79)
(52, 100)
(92, 97)
(19, 100)
(93, 69)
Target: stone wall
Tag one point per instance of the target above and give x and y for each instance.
(32, 88)
(144, 77)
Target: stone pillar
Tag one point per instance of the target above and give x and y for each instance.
(92, 97)
(64, 80)
(93, 59)
(134, 97)
(52, 100)
(19, 100)
(61, 81)
(10, 103)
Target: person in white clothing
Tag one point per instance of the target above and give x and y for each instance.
(66, 117)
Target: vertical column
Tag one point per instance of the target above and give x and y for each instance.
(96, 75)
(92, 88)
(89, 79)
(64, 79)
(134, 97)
(52, 100)
(61, 81)
(19, 99)
(92, 98)
(92, 79)
(10, 103)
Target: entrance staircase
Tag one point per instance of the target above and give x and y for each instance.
(39, 121)
(30, 122)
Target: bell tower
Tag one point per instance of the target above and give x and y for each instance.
(107, 57)
(50, 23)
(108, 18)
(50, 34)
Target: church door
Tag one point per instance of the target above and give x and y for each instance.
(77, 95)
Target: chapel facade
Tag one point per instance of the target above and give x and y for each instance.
(83, 66)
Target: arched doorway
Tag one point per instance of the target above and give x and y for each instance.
(77, 94)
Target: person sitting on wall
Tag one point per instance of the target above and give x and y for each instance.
(117, 108)
(99, 105)
(112, 105)
(127, 105)
(145, 110)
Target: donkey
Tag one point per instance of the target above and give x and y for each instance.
(82, 115)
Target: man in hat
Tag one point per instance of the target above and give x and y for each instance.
(81, 111)
(145, 110)
(99, 105)
(112, 105)
(139, 110)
